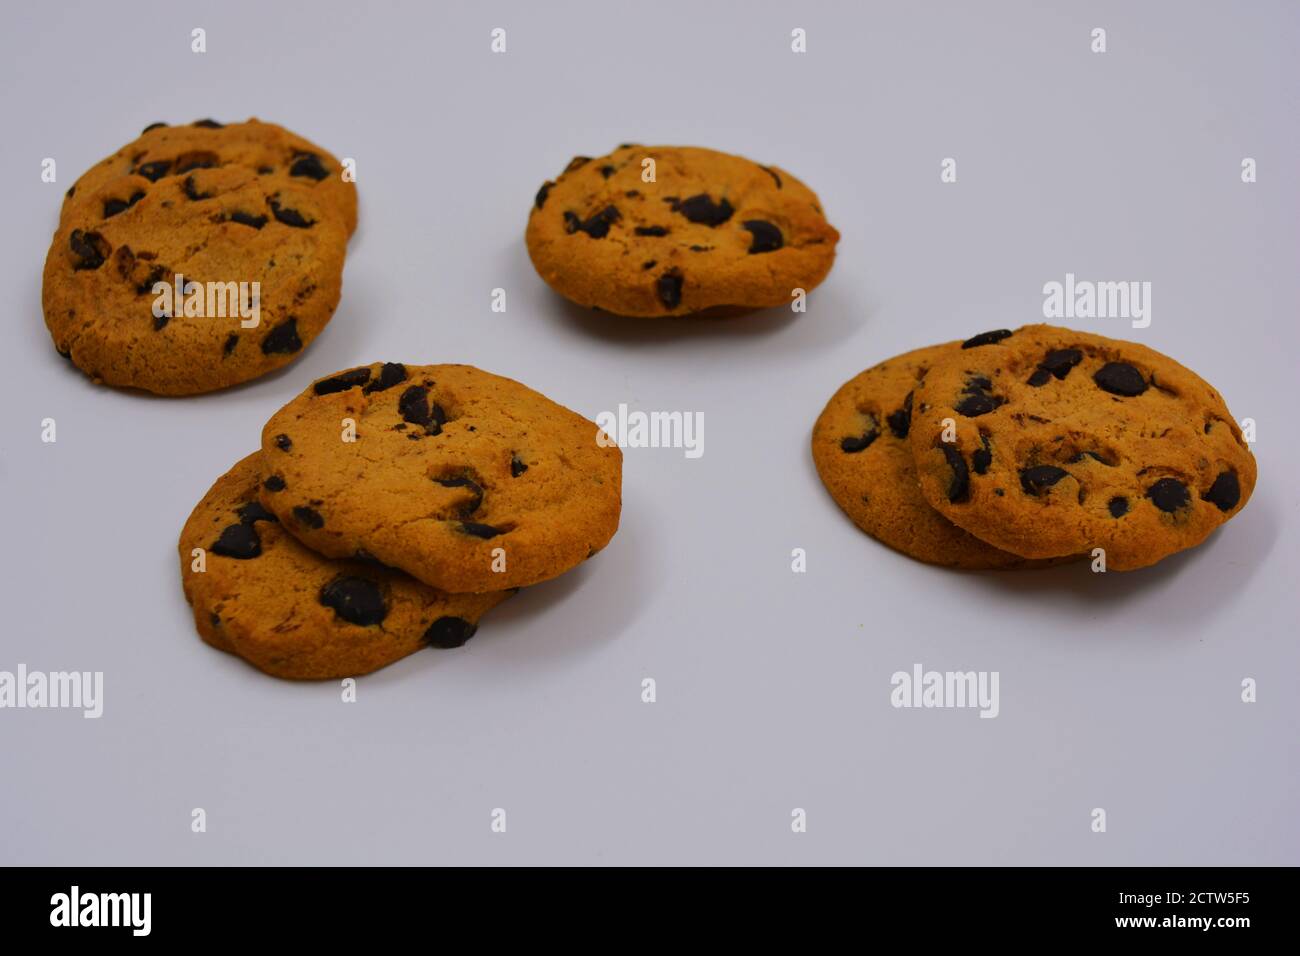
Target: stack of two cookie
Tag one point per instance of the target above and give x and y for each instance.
(1028, 448)
(389, 508)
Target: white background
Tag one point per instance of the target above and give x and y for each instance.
(1119, 691)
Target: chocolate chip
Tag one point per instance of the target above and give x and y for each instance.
(978, 398)
(247, 219)
(1035, 479)
(517, 467)
(160, 322)
(669, 289)
(283, 339)
(651, 231)
(152, 126)
(273, 483)
(352, 378)
(704, 210)
(607, 171)
(283, 442)
(413, 405)
(853, 444)
(449, 632)
(766, 237)
(1092, 455)
(253, 512)
(364, 556)
(981, 458)
(114, 206)
(542, 193)
(1225, 492)
(290, 217)
(1117, 506)
(196, 160)
(392, 373)
(309, 516)
(154, 171)
(480, 530)
(147, 283)
(649, 264)
(1120, 378)
(597, 226)
(771, 172)
(209, 124)
(309, 165)
(959, 486)
(900, 421)
(1060, 361)
(700, 248)
(577, 163)
(476, 493)
(1168, 494)
(89, 248)
(192, 191)
(986, 338)
(231, 341)
(1040, 377)
(238, 541)
(356, 600)
(265, 170)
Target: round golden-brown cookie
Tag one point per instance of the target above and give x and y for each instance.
(860, 447)
(1066, 441)
(292, 613)
(714, 234)
(466, 480)
(255, 216)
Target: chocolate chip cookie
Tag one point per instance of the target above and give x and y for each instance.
(292, 613)
(466, 480)
(1064, 441)
(712, 234)
(860, 447)
(197, 257)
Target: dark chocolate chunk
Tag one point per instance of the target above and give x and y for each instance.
(356, 600)
(90, 249)
(1039, 477)
(283, 339)
(152, 126)
(309, 516)
(255, 511)
(1120, 378)
(577, 163)
(596, 226)
(649, 264)
(852, 444)
(248, 219)
(542, 193)
(192, 191)
(147, 283)
(114, 206)
(392, 373)
(480, 530)
(959, 486)
(196, 160)
(981, 458)
(290, 217)
(607, 171)
(986, 338)
(154, 171)
(766, 237)
(476, 492)
(160, 322)
(1117, 506)
(449, 632)
(771, 172)
(669, 288)
(978, 398)
(209, 124)
(900, 421)
(273, 483)
(703, 209)
(238, 541)
(352, 378)
(651, 230)
(1040, 377)
(1168, 494)
(283, 442)
(231, 341)
(1060, 361)
(309, 165)
(1225, 492)
(517, 467)
(413, 405)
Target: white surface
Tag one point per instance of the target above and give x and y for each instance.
(1117, 691)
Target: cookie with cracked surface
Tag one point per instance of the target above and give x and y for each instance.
(1067, 441)
(294, 614)
(860, 447)
(714, 234)
(218, 205)
(466, 480)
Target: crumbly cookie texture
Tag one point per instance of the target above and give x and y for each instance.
(294, 614)
(1066, 441)
(466, 480)
(219, 205)
(713, 234)
(861, 451)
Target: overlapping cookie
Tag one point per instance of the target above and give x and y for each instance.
(1047, 442)
(292, 613)
(862, 454)
(197, 257)
(712, 234)
(466, 480)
